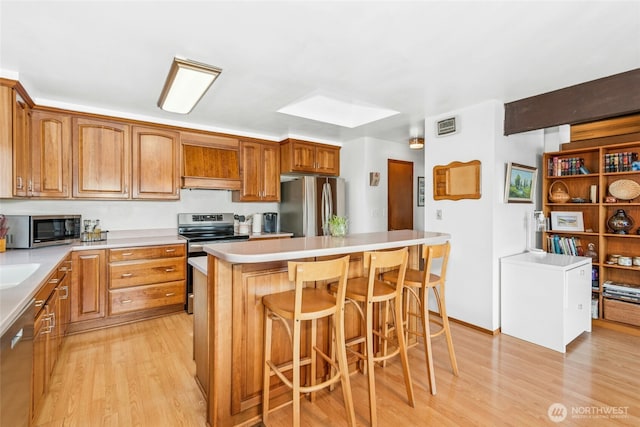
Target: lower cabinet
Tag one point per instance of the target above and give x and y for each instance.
(146, 277)
(51, 318)
(113, 286)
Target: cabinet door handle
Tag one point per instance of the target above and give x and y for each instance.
(126, 301)
(127, 253)
(19, 182)
(39, 303)
(169, 270)
(169, 294)
(126, 275)
(169, 250)
(66, 292)
(53, 281)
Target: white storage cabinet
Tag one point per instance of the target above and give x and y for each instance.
(545, 298)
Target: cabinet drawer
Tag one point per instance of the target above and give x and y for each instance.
(145, 297)
(46, 290)
(146, 252)
(620, 311)
(143, 272)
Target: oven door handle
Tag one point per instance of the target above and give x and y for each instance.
(195, 247)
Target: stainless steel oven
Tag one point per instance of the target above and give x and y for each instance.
(201, 229)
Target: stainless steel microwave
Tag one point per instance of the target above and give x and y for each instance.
(33, 231)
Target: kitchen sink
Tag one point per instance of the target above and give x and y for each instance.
(14, 274)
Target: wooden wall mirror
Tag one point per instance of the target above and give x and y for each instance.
(457, 181)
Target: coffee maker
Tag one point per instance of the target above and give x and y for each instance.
(270, 222)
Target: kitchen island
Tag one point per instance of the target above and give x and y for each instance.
(238, 275)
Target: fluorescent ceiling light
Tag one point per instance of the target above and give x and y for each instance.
(324, 108)
(186, 84)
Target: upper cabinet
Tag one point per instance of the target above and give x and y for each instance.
(156, 165)
(306, 157)
(101, 159)
(260, 171)
(210, 161)
(50, 154)
(22, 180)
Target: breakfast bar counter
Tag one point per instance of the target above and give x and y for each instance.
(238, 275)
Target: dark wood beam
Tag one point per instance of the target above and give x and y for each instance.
(599, 99)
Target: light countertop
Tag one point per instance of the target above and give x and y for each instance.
(301, 247)
(199, 262)
(12, 300)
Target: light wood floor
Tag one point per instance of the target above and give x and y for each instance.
(142, 375)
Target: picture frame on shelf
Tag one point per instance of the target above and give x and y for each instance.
(567, 221)
(420, 194)
(520, 183)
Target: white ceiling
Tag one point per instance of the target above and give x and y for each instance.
(420, 58)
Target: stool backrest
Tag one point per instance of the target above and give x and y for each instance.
(305, 272)
(374, 262)
(432, 253)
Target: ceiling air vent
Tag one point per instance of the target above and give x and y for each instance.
(446, 127)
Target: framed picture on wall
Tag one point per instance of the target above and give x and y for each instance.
(421, 191)
(520, 183)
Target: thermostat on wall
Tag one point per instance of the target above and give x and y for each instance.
(446, 127)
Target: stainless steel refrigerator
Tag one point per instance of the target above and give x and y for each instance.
(308, 202)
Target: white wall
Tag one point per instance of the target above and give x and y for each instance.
(133, 215)
(485, 229)
(367, 205)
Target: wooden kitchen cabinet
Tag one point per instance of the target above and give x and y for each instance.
(22, 180)
(210, 161)
(260, 171)
(88, 286)
(49, 329)
(144, 278)
(307, 157)
(156, 165)
(101, 159)
(50, 164)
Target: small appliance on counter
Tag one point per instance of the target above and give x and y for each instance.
(270, 222)
(33, 231)
(257, 223)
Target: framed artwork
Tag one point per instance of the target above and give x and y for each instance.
(567, 221)
(520, 185)
(421, 191)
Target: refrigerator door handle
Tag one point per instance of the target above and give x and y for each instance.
(327, 207)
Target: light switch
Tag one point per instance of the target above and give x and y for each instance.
(439, 214)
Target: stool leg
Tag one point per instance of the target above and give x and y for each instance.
(403, 350)
(266, 375)
(426, 336)
(370, 375)
(339, 346)
(296, 372)
(384, 333)
(314, 359)
(442, 307)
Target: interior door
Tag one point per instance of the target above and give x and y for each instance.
(400, 194)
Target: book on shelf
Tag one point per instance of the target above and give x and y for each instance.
(559, 166)
(565, 245)
(619, 162)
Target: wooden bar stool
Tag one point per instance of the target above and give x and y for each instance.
(308, 304)
(418, 283)
(370, 290)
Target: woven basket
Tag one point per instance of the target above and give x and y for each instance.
(624, 189)
(559, 195)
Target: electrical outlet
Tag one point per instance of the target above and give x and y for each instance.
(439, 214)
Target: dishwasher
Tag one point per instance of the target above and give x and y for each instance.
(16, 367)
